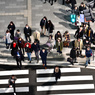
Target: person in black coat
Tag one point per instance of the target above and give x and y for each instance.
(43, 54)
(73, 2)
(11, 27)
(36, 48)
(19, 57)
(50, 26)
(28, 50)
(57, 73)
(11, 81)
(82, 7)
(58, 35)
(27, 33)
(14, 47)
(43, 25)
(73, 55)
(79, 33)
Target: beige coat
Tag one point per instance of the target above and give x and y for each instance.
(36, 35)
(79, 44)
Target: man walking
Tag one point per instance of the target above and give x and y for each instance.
(43, 54)
(12, 80)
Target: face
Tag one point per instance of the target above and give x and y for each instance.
(43, 50)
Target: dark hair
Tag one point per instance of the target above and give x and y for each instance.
(18, 30)
(7, 31)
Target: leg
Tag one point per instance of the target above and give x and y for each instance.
(37, 56)
(14, 87)
(20, 64)
(30, 57)
(26, 37)
(87, 58)
(17, 63)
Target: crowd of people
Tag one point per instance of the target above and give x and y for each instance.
(84, 36)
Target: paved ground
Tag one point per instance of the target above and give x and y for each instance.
(36, 80)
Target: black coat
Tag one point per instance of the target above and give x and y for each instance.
(11, 28)
(19, 58)
(79, 34)
(50, 28)
(27, 32)
(43, 55)
(43, 22)
(73, 53)
(57, 74)
(58, 36)
(81, 8)
(35, 47)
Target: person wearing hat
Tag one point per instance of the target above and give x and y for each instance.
(43, 54)
(59, 45)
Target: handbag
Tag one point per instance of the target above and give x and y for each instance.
(69, 59)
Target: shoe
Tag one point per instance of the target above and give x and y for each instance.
(37, 61)
(88, 62)
(29, 61)
(14, 93)
(43, 65)
(85, 66)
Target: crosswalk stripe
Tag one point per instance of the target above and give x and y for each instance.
(65, 87)
(14, 72)
(19, 80)
(18, 89)
(66, 78)
(63, 70)
(75, 94)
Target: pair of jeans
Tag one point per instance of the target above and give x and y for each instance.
(29, 56)
(87, 60)
(37, 55)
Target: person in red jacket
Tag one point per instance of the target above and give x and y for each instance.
(28, 50)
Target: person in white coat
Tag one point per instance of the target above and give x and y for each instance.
(8, 40)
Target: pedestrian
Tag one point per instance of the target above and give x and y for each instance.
(19, 57)
(11, 81)
(57, 73)
(28, 50)
(73, 55)
(58, 35)
(36, 36)
(50, 27)
(36, 48)
(21, 44)
(27, 33)
(59, 46)
(78, 46)
(79, 33)
(14, 47)
(73, 2)
(17, 35)
(43, 25)
(82, 7)
(43, 54)
(8, 39)
(88, 54)
(11, 27)
(50, 43)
